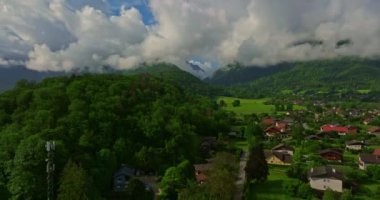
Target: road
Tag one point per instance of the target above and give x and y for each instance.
(241, 179)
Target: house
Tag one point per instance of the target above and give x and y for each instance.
(268, 121)
(312, 137)
(282, 126)
(368, 159)
(374, 130)
(332, 154)
(376, 152)
(341, 130)
(355, 145)
(208, 145)
(325, 177)
(272, 132)
(201, 171)
(122, 177)
(283, 148)
(278, 158)
(368, 120)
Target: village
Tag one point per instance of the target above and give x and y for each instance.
(302, 148)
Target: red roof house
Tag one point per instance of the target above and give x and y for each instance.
(268, 121)
(376, 152)
(341, 130)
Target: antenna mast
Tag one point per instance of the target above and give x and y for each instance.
(50, 167)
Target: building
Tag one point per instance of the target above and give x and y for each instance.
(325, 177)
(335, 155)
(366, 160)
(201, 171)
(278, 158)
(283, 148)
(122, 177)
(268, 121)
(376, 152)
(374, 130)
(341, 130)
(355, 145)
(312, 137)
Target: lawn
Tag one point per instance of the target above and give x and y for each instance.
(247, 106)
(272, 188)
(241, 144)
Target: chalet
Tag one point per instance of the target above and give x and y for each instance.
(201, 171)
(208, 145)
(332, 154)
(282, 126)
(123, 176)
(312, 137)
(325, 177)
(368, 120)
(355, 145)
(376, 152)
(374, 130)
(268, 121)
(278, 158)
(368, 159)
(341, 130)
(272, 132)
(283, 148)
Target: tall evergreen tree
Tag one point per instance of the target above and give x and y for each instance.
(257, 167)
(74, 183)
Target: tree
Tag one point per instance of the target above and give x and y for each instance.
(236, 103)
(304, 191)
(75, 184)
(329, 195)
(222, 103)
(257, 167)
(346, 195)
(291, 187)
(297, 133)
(222, 176)
(137, 190)
(175, 179)
(373, 171)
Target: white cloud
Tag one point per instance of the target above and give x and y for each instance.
(61, 35)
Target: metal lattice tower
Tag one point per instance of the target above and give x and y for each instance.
(50, 167)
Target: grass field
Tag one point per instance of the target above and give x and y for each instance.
(250, 106)
(247, 106)
(271, 189)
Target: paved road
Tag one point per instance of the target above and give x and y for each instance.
(241, 179)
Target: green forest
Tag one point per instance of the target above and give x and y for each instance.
(98, 123)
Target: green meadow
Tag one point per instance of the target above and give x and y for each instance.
(272, 188)
(250, 106)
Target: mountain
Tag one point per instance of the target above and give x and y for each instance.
(10, 75)
(339, 73)
(236, 73)
(174, 75)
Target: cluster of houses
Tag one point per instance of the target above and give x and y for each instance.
(323, 177)
(277, 128)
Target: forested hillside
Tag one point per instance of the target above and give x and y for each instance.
(98, 122)
(175, 75)
(334, 74)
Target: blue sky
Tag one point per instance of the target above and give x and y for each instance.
(141, 5)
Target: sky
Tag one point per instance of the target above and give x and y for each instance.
(66, 35)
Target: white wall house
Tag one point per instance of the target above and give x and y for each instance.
(325, 177)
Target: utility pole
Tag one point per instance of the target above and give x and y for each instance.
(50, 167)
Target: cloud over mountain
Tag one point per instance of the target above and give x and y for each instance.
(62, 35)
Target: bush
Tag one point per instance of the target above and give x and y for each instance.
(373, 171)
(346, 195)
(304, 191)
(291, 187)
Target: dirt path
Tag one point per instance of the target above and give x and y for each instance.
(241, 179)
